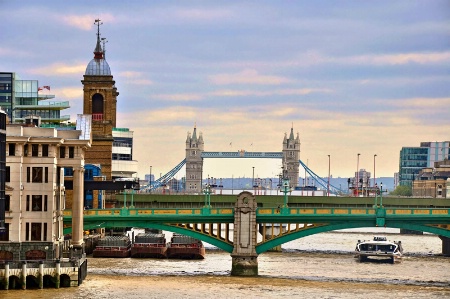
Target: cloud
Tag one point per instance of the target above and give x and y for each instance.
(68, 92)
(201, 14)
(401, 58)
(420, 103)
(85, 22)
(183, 97)
(135, 78)
(60, 69)
(247, 76)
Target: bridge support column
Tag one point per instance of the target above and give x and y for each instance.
(78, 207)
(445, 245)
(244, 256)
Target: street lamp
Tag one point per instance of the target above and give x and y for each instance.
(253, 179)
(150, 179)
(357, 176)
(374, 177)
(328, 188)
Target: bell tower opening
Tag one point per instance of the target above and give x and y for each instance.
(97, 107)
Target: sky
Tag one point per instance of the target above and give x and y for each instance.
(351, 77)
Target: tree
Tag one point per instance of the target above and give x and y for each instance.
(402, 191)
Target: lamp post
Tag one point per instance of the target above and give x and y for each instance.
(357, 175)
(207, 192)
(329, 164)
(374, 176)
(253, 180)
(150, 179)
(381, 194)
(125, 196)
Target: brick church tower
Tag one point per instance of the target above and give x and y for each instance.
(100, 100)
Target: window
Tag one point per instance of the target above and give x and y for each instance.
(35, 150)
(12, 149)
(46, 174)
(45, 150)
(71, 152)
(7, 203)
(28, 202)
(62, 152)
(36, 231)
(45, 203)
(37, 203)
(5, 235)
(28, 174)
(45, 232)
(25, 150)
(27, 231)
(37, 174)
(8, 174)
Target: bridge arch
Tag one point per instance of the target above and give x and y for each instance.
(263, 247)
(208, 238)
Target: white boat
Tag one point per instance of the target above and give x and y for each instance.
(379, 248)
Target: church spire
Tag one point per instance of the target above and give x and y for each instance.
(98, 52)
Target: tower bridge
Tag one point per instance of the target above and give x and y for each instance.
(195, 154)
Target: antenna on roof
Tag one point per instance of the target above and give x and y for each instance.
(104, 41)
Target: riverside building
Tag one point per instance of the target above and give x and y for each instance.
(35, 200)
(414, 159)
(25, 99)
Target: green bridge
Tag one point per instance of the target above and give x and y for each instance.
(217, 223)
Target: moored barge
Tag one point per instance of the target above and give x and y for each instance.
(185, 247)
(113, 246)
(149, 245)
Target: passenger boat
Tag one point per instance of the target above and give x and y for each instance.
(113, 246)
(379, 248)
(185, 247)
(149, 245)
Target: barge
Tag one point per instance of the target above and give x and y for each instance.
(185, 247)
(379, 248)
(149, 245)
(113, 246)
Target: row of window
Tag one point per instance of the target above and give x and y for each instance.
(35, 150)
(34, 203)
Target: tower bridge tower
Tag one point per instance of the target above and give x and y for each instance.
(194, 162)
(291, 156)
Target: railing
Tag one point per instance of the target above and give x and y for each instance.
(97, 116)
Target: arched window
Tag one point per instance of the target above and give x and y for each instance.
(97, 107)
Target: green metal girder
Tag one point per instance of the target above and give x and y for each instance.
(260, 248)
(162, 226)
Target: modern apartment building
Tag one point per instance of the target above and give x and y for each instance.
(123, 165)
(414, 159)
(25, 99)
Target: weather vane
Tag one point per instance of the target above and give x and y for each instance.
(98, 22)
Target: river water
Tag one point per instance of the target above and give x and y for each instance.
(318, 266)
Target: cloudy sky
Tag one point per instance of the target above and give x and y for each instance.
(351, 77)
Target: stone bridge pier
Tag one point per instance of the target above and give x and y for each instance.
(244, 256)
(445, 245)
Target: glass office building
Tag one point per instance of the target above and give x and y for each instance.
(22, 99)
(414, 159)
